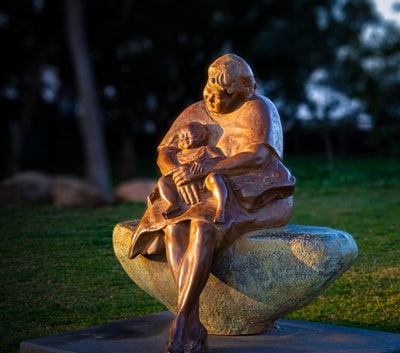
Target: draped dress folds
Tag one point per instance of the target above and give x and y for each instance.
(258, 198)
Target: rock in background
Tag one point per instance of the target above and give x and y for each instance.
(61, 191)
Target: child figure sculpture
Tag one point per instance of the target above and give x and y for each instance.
(194, 151)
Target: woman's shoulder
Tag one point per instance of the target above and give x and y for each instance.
(275, 132)
(196, 107)
(261, 103)
(194, 112)
(256, 110)
(260, 112)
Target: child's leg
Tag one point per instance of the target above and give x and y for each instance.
(216, 184)
(169, 194)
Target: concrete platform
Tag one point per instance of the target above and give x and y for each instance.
(147, 334)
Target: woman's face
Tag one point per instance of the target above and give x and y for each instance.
(220, 101)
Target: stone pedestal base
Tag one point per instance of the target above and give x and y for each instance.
(259, 278)
(148, 334)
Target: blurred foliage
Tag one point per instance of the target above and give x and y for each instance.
(150, 62)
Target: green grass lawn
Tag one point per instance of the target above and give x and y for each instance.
(361, 197)
(59, 272)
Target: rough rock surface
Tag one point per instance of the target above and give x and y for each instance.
(261, 277)
(61, 191)
(72, 192)
(135, 190)
(30, 186)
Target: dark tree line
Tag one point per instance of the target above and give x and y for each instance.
(330, 66)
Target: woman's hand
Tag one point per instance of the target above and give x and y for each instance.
(197, 167)
(190, 193)
(184, 175)
(188, 184)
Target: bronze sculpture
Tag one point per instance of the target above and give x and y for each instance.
(190, 228)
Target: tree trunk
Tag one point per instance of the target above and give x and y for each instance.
(20, 127)
(326, 136)
(92, 133)
(127, 158)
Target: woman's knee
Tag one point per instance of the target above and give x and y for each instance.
(202, 232)
(176, 233)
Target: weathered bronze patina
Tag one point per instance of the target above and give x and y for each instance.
(216, 185)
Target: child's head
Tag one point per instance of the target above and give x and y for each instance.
(192, 135)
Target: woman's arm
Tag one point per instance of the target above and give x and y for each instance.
(242, 163)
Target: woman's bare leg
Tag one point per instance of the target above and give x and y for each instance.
(193, 269)
(176, 243)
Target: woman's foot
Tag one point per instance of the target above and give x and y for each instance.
(199, 344)
(192, 339)
(174, 347)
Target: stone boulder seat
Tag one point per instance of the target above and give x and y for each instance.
(261, 277)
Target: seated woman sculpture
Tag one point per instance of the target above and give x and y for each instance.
(246, 127)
